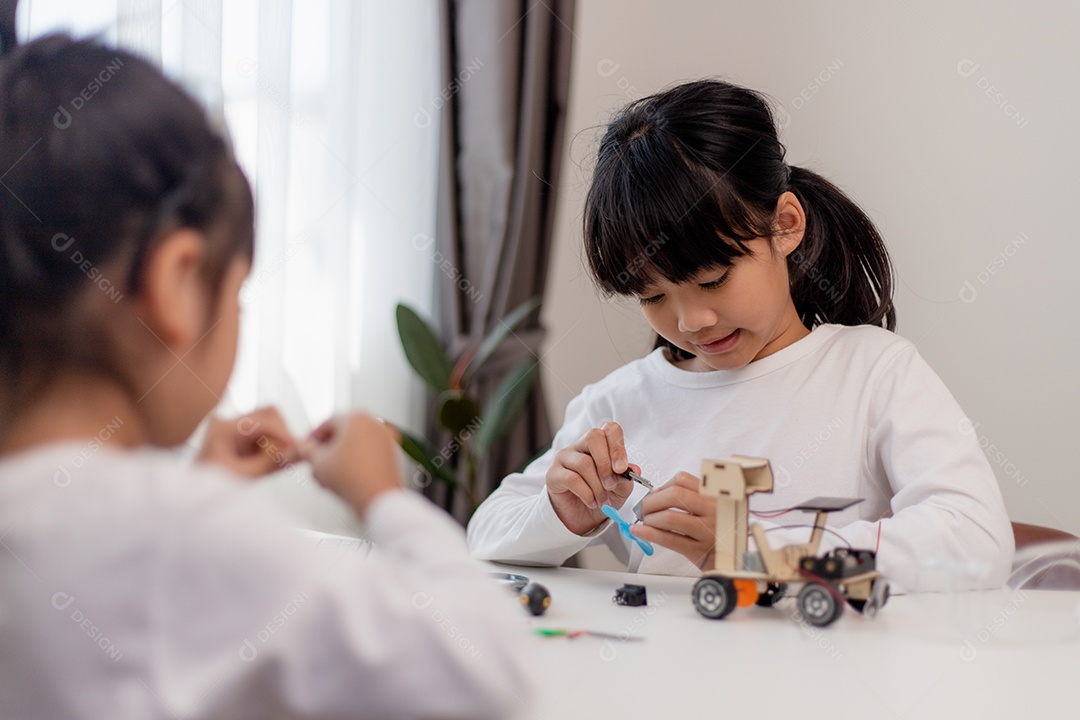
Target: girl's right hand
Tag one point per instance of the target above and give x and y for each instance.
(253, 445)
(355, 457)
(584, 476)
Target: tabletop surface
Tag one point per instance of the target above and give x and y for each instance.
(1000, 654)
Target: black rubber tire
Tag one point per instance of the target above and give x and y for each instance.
(818, 604)
(880, 586)
(774, 593)
(714, 597)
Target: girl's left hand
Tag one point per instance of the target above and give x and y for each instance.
(252, 445)
(680, 518)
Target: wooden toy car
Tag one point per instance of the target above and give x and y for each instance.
(740, 578)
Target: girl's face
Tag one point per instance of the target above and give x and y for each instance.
(729, 317)
(212, 359)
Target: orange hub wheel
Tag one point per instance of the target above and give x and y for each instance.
(746, 593)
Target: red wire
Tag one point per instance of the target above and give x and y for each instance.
(822, 581)
(778, 513)
(878, 543)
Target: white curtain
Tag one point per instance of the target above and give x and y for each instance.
(323, 101)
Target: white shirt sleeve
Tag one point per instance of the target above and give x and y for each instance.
(517, 523)
(948, 529)
(253, 622)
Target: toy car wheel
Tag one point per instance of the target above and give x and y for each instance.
(818, 604)
(774, 593)
(714, 597)
(879, 595)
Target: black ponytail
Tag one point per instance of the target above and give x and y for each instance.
(841, 272)
(685, 177)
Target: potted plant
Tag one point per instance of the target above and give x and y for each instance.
(473, 429)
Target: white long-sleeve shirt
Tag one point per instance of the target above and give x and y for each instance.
(134, 586)
(843, 412)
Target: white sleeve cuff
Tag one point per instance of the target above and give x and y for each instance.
(403, 519)
(555, 524)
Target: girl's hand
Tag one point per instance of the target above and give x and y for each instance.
(677, 516)
(584, 477)
(354, 456)
(252, 445)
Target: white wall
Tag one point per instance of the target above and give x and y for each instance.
(953, 125)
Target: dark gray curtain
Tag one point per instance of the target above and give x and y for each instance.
(7, 24)
(506, 68)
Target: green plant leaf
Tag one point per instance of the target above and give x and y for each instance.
(425, 353)
(428, 458)
(457, 412)
(506, 404)
(496, 337)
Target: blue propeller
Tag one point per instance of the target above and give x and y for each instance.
(646, 547)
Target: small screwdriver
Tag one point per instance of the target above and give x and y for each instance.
(631, 475)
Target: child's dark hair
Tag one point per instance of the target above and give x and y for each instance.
(686, 176)
(101, 156)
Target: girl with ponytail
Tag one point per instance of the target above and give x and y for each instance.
(771, 295)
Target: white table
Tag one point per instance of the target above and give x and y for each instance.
(1005, 654)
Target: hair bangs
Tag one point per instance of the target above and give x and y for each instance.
(653, 211)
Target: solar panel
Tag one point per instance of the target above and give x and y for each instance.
(828, 504)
